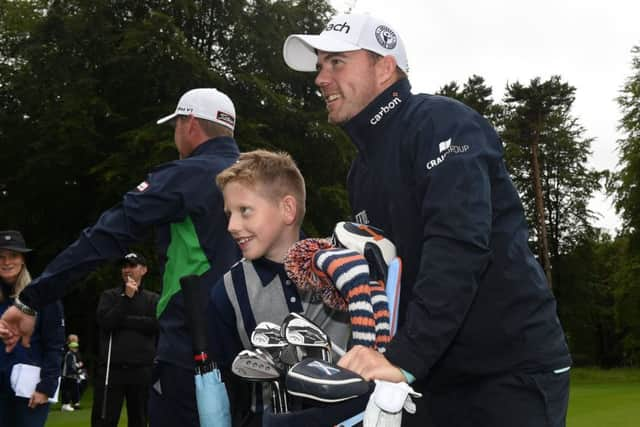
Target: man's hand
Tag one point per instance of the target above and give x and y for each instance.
(371, 365)
(130, 287)
(15, 324)
(38, 398)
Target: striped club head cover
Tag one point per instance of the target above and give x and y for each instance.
(380, 304)
(349, 272)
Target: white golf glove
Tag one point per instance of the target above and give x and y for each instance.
(386, 403)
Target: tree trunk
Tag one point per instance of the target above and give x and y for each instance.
(543, 245)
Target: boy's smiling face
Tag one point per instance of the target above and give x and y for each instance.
(256, 222)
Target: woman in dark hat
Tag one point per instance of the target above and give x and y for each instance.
(46, 348)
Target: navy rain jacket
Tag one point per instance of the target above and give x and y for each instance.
(46, 350)
(181, 201)
(475, 301)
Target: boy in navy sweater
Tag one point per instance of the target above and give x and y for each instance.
(264, 200)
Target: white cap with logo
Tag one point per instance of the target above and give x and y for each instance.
(345, 33)
(207, 103)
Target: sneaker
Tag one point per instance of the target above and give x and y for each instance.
(67, 407)
(76, 405)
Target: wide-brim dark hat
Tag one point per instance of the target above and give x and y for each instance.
(13, 241)
(133, 258)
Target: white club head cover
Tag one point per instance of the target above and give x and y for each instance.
(385, 405)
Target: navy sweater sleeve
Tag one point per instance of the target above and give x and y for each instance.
(162, 198)
(456, 208)
(52, 338)
(224, 340)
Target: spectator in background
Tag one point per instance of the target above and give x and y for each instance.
(47, 342)
(128, 325)
(72, 369)
(83, 375)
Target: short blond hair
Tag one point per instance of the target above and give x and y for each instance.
(275, 172)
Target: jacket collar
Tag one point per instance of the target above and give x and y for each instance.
(221, 144)
(367, 128)
(268, 269)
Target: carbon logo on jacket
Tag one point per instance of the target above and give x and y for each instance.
(385, 109)
(386, 37)
(446, 148)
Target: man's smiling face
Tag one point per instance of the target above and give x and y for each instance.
(347, 81)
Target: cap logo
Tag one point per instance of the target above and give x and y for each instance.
(226, 118)
(183, 110)
(338, 27)
(386, 37)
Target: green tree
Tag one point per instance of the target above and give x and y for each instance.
(625, 183)
(547, 155)
(476, 94)
(588, 298)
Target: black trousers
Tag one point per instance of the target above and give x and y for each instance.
(172, 400)
(513, 400)
(70, 390)
(136, 396)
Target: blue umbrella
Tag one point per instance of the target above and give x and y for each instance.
(212, 398)
(211, 393)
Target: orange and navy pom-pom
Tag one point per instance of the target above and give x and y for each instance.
(298, 265)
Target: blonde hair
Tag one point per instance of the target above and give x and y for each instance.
(275, 172)
(24, 278)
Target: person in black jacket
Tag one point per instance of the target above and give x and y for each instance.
(478, 326)
(128, 331)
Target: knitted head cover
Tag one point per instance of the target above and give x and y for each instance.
(298, 264)
(349, 272)
(341, 277)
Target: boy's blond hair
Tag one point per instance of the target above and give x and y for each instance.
(275, 174)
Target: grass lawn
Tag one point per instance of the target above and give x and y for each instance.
(598, 399)
(602, 398)
(80, 417)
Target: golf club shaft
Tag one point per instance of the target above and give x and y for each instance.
(103, 412)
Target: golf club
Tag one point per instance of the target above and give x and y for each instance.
(259, 367)
(301, 331)
(103, 413)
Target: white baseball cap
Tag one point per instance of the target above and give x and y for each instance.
(345, 33)
(207, 103)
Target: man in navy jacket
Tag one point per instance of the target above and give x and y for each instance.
(478, 324)
(181, 201)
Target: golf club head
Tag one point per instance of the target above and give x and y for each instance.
(299, 330)
(267, 335)
(253, 366)
(318, 380)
